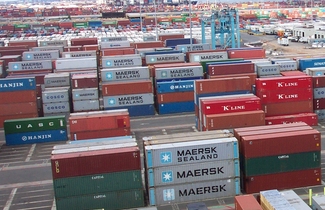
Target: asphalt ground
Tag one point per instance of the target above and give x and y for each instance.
(25, 172)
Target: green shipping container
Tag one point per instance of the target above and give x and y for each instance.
(107, 200)
(21, 25)
(80, 25)
(204, 66)
(281, 163)
(114, 22)
(35, 124)
(178, 20)
(99, 183)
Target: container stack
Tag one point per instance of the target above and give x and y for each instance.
(272, 199)
(177, 169)
(35, 130)
(98, 177)
(100, 124)
(85, 94)
(56, 101)
(18, 99)
(287, 99)
(267, 70)
(271, 156)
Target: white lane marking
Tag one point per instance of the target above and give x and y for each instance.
(10, 199)
(30, 153)
(26, 184)
(322, 126)
(53, 205)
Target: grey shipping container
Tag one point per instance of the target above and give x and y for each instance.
(179, 72)
(57, 80)
(53, 43)
(193, 47)
(86, 105)
(85, 94)
(30, 65)
(165, 58)
(294, 200)
(60, 48)
(196, 191)
(60, 107)
(319, 93)
(121, 61)
(79, 54)
(149, 38)
(77, 63)
(187, 173)
(122, 74)
(266, 70)
(53, 96)
(261, 63)
(191, 152)
(128, 100)
(320, 71)
(198, 57)
(287, 65)
(113, 39)
(115, 44)
(43, 55)
(318, 202)
(142, 51)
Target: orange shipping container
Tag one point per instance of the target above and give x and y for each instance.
(175, 97)
(128, 87)
(18, 108)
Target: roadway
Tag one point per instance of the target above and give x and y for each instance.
(25, 172)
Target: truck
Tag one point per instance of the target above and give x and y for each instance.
(283, 41)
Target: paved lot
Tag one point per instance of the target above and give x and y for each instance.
(25, 173)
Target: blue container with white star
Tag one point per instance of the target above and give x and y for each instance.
(175, 86)
(40, 55)
(176, 107)
(36, 137)
(30, 65)
(17, 84)
(121, 61)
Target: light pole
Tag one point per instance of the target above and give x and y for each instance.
(191, 43)
(140, 16)
(154, 3)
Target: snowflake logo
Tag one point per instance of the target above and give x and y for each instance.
(109, 76)
(111, 101)
(169, 194)
(15, 66)
(152, 60)
(108, 63)
(164, 74)
(167, 176)
(166, 157)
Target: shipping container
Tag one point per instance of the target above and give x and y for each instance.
(60, 48)
(272, 199)
(95, 142)
(18, 108)
(114, 44)
(12, 117)
(82, 135)
(266, 70)
(165, 58)
(87, 80)
(175, 86)
(17, 84)
(189, 173)
(293, 73)
(104, 200)
(178, 72)
(175, 107)
(35, 124)
(179, 41)
(121, 61)
(153, 67)
(124, 74)
(194, 47)
(319, 93)
(76, 64)
(79, 54)
(36, 137)
(24, 96)
(287, 83)
(188, 152)
(164, 98)
(127, 87)
(97, 183)
(113, 39)
(246, 202)
(310, 119)
(83, 41)
(95, 162)
(138, 110)
(295, 200)
(246, 53)
(56, 95)
(195, 191)
(86, 105)
(296, 107)
(227, 69)
(318, 81)
(57, 80)
(42, 55)
(51, 43)
(72, 48)
(117, 51)
(128, 100)
(318, 202)
(320, 114)
(30, 65)
(281, 181)
(29, 43)
(288, 65)
(198, 57)
(58, 107)
(316, 71)
(141, 45)
(305, 63)
(85, 94)
(285, 95)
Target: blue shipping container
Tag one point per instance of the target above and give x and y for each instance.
(17, 84)
(94, 24)
(161, 52)
(36, 137)
(137, 110)
(175, 86)
(100, 140)
(196, 97)
(178, 79)
(176, 107)
(310, 63)
(175, 42)
(135, 20)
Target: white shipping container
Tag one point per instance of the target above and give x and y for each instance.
(30, 65)
(196, 191)
(53, 96)
(317, 71)
(124, 74)
(41, 55)
(295, 200)
(165, 58)
(188, 173)
(198, 57)
(128, 100)
(77, 63)
(179, 72)
(85, 94)
(120, 44)
(60, 107)
(57, 80)
(53, 43)
(114, 39)
(194, 47)
(318, 202)
(79, 54)
(290, 65)
(121, 61)
(86, 105)
(191, 152)
(149, 38)
(266, 70)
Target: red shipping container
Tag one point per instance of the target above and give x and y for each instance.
(273, 144)
(246, 202)
(163, 37)
(141, 45)
(29, 43)
(233, 120)
(15, 47)
(153, 67)
(283, 96)
(252, 77)
(127, 87)
(222, 85)
(175, 97)
(13, 117)
(286, 108)
(39, 77)
(66, 25)
(90, 47)
(79, 81)
(283, 83)
(292, 73)
(18, 108)
(230, 105)
(319, 103)
(117, 51)
(24, 72)
(18, 97)
(84, 41)
(14, 52)
(318, 81)
(248, 53)
(100, 134)
(72, 49)
(95, 162)
(228, 69)
(282, 181)
(310, 119)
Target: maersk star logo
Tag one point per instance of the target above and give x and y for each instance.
(197, 58)
(29, 56)
(111, 101)
(16, 66)
(169, 194)
(109, 75)
(166, 157)
(167, 176)
(108, 63)
(152, 59)
(164, 74)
